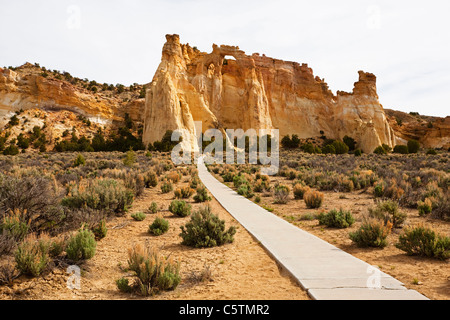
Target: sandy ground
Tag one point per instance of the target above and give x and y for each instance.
(428, 276)
(239, 271)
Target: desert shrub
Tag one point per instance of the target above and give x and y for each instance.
(261, 185)
(13, 226)
(174, 177)
(228, 177)
(130, 158)
(180, 208)
(300, 190)
(257, 199)
(206, 230)
(11, 150)
(32, 256)
(388, 211)
(372, 233)
(81, 246)
(184, 193)
(379, 150)
(329, 149)
(159, 226)
(441, 208)
(166, 186)
(281, 194)
(79, 161)
(402, 149)
(123, 285)
(413, 146)
(153, 207)
(431, 152)
(378, 189)
(358, 152)
(194, 183)
(202, 195)
(100, 230)
(150, 179)
(425, 207)
(154, 272)
(34, 196)
(424, 241)
(350, 142)
(337, 219)
(138, 216)
(238, 180)
(340, 147)
(101, 194)
(245, 190)
(313, 199)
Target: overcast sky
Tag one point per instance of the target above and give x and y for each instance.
(406, 44)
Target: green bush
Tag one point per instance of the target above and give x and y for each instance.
(81, 246)
(153, 207)
(245, 190)
(402, 149)
(379, 150)
(12, 150)
(139, 216)
(413, 146)
(372, 233)
(130, 158)
(337, 219)
(154, 272)
(358, 153)
(228, 177)
(379, 190)
(101, 194)
(79, 161)
(206, 230)
(166, 186)
(123, 285)
(202, 195)
(14, 226)
(329, 149)
(150, 179)
(425, 207)
(180, 208)
(340, 147)
(388, 211)
(32, 256)
(431, 152)
(424, 241)
(159, 226)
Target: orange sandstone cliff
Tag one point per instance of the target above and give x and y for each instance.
(229, 89)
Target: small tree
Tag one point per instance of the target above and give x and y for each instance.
(413, 146)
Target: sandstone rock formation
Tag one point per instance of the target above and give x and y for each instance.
(431, 132)
(229, 89)
(28, 89)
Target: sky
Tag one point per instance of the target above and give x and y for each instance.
(406, 44)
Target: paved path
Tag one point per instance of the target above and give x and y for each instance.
(324, 271)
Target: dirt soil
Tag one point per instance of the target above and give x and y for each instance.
(239, 271)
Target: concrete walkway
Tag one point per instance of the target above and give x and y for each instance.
(324, 271)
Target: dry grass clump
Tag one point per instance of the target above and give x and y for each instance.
(153, 272)
(313, 199)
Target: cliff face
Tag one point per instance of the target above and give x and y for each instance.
(28, 89)
(431, 132)
(229, 89)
